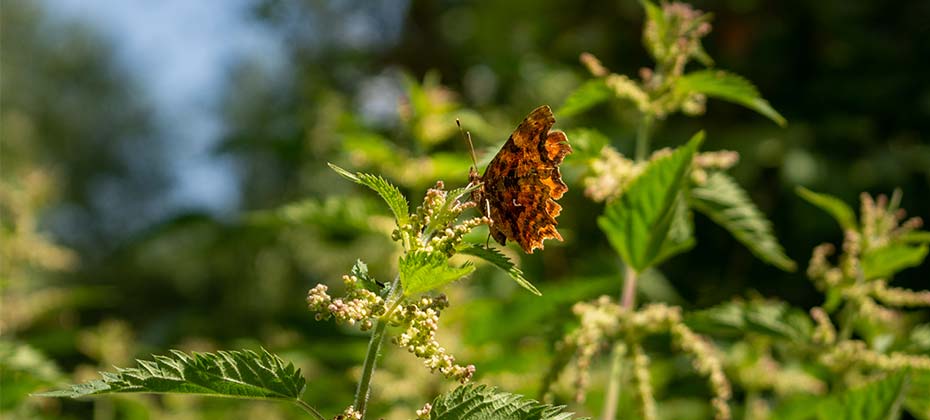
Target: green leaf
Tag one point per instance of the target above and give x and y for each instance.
(360, 271)
(500, 260)
(334, 215)
(24, 370)
(729, 87)
(445, 216)
(916, 237)
(232, 374)
(917, 399)
(727, 204)
(680, 234)
(878, 400)
(835, 207)
(424, 271)
(479, 402)
(391, 195)
(589, 94)
(637, 224)
(888, 260)
(771, 318)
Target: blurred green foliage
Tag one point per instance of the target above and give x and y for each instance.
(90, 283)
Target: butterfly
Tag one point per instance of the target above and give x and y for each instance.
(520, 186)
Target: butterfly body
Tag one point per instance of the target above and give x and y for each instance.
(520, 185)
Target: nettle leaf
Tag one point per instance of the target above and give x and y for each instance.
(890, 259)
(233, 374)
(424, 271)
(727, 204)
(680, 234)
(500, 260)
(835, 207)
(391, 195)
(878, 400)
(480, 402)
(337, 215)
(771, 318)
(591, 93)
(360, 271)
(445, 216)
(637, 224)
(729, 87)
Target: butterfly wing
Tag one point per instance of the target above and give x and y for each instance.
(523, 181)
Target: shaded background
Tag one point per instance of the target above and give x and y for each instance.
(140, 139)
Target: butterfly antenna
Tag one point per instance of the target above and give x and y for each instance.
(471, 147)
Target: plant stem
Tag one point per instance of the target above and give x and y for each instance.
(643, 138)
(374, 347)
(308, 408)
(612, 398)
(627, 300)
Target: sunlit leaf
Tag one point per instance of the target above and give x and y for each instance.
(637, 223)
(232, 374)
(479, 402)
(501, 261)
(586, 142)
(771, 318)
(878, 400)
(888, 260)
(424, 271)
(835, 207)
(591, 93)
(729, 87)
(722, 200)
(391, 195)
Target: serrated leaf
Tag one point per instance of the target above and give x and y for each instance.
(878, 400)
(388, 192)
(587, 95)
(480, 402)
(774, 319)
(729, 87)
(360, 271)
(232, 374)
(888, 260)
(680, 234)
(424, 271)
(637, 223)
(835, 207)
(501, 261)
(727, 204)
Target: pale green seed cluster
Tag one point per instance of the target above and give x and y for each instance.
(349, 414)
(360, 306)
(432, 227)
(420, 322)
(604, 321)
(849, 353)
(423, 413)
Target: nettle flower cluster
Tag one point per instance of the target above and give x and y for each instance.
(611, 173)
(672, 36)
(604, 322)
(858, 292)
(430, 235)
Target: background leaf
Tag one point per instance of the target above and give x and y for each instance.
(878, 400)
(500, 260)
(424, 271)
(771, 318)
(832, 205)
(479, 402)
(638, 222)
(234, 374)
(589, 94)
(727, 204)
(888, 260)
(729, 87)
(391, 195)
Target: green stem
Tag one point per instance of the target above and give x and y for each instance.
(643, 138)
(612, 398)
(308, 408)
(628, 301)
(363, 392)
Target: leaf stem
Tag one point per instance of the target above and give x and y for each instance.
(308, 408)
(643, 135)
(627, 300)
(363, 392)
